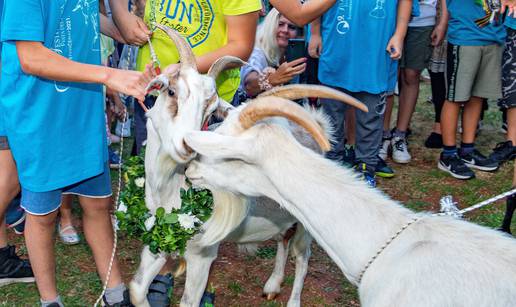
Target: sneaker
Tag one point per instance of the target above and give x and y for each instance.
(384, 150)
(348, 158)
(208, 299)
(15, 216)
(383, 170)
(160, 290)
(367, 173)
(400, 152)
(455, 167)
(477, 160)
(114, 159)
(12, 268)
(126, 302)
(503, 152)
(434, 140)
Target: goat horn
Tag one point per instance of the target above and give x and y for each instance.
(224, 63)
(186, 54)
(263, 107)
(297, 91)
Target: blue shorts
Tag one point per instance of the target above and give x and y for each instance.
(43, 203)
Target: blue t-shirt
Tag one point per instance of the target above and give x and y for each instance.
(462, 29)
(355, 34)
(56, 130)
(2, 130)
(510, 22)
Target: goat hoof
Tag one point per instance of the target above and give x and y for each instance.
(271, 296)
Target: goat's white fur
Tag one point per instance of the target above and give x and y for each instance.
(437, 261)
(235, 219)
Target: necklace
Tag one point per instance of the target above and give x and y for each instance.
(154, 56)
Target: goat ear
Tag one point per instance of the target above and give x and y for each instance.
(219, 146)
(158, 84)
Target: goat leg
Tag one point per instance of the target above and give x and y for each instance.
(273, 285)
(301, 250)
(149, 267)
(509, 211)
(198, 262)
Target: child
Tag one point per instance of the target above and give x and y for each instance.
(361, 64)
(473, 74)
(53, 113)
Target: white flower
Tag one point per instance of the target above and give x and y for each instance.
(122, 207)
(149, 223)
(140, 182)
(187, 221)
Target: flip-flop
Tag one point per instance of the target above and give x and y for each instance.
(68, 238)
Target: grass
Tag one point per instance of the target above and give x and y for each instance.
(418, 185)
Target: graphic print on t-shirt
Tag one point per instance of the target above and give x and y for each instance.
(378, 10)
(344, 16)
(196, 19)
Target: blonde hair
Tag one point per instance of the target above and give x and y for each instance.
(266, 38)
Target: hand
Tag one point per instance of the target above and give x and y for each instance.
(132, 83)
(395, 47)
(287, 71)
(315, 46)
(133, 29)
(509, 5)
(438, 35)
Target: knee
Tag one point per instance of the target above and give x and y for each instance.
(9, 187)
(42, 221)
(96, 206)
(411, 77)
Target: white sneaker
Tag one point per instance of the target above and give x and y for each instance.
(384, 150)
(400, 152)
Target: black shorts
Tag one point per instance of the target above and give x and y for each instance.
(509, 71)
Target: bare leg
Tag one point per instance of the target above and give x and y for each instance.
(9, 187)
(39, 237)
(449, 119)
(408, 97)
(470, 119)
(65, 213)
(99, 235)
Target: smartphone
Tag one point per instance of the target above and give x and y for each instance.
(295, 49)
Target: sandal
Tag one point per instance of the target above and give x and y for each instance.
(69, 238)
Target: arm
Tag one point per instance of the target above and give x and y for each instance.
(442, 25)
(133, 28)
(241, 34)
(107, 27)
(37, 60)
(301, 14)
(395, 45)
(315, 43)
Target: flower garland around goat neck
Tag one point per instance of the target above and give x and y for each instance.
(162, 232)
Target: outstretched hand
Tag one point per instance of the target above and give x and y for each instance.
(132, 83)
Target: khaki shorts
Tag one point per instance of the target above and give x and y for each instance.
(474, 71)
(417, 48)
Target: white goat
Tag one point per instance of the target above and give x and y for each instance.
(436, 261)
(186, 101)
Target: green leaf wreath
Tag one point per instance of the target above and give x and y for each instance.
(162, 232)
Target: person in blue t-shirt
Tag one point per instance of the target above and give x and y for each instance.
(361, 41)
(473, 74)
(53, 116)
(505, 151)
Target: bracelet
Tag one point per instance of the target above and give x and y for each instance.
(263, 79)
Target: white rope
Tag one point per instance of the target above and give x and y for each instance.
(452, 212)
(113, 217)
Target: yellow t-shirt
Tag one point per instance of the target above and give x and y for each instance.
(203, 25)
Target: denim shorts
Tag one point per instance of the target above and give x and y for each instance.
(43, 203)
(4, 145)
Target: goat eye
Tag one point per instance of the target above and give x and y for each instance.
(171, 92)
